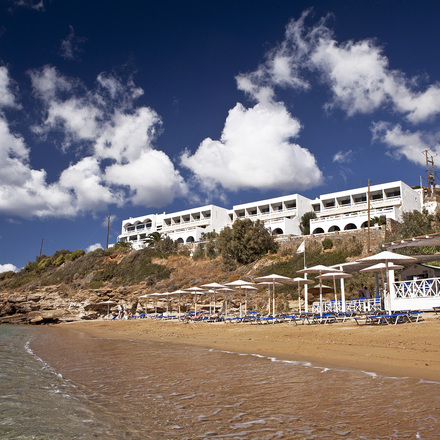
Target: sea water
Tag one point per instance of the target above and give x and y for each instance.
(57, 383)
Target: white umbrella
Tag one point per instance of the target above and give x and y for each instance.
(319, 269)
(238, 284)
(247, 288)
(108, 302)
(155, 295)
(196, 291)
(147, 295)
(388, 257)
(275, 278)
(336, 276)
(268, 284)
(226, 289)
(213, 286)
(178, 293)
(301, 281)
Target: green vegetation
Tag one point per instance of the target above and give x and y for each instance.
(245, 242)
(327, 243)
(117, 265)
(305, 222)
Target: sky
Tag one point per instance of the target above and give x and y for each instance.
(135, 107)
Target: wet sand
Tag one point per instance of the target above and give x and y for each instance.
(403, 350)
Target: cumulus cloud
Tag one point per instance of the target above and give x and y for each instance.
(118, 162)
(93, 247)
(406, 143)
(8, 267)
(70, 47)
(255, 151)
(357, 72)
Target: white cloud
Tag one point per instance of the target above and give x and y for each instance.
(405, 143)
(120, 165)
(8, 267)
(7, 98)
(357, 72)
(255, 151)
(93, 247)
(343, 156)
(151, 179)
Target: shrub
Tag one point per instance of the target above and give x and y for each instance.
(59, 261)
(327, 243)
(76, 254)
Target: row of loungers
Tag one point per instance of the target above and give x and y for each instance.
(388, 318)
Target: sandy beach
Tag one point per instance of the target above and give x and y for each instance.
(403, 350)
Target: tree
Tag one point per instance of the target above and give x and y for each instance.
(153, 238)
(166, 245)
(244, 242)
(305, 222)
(415, 223)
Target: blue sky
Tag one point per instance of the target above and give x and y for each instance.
(135, 107)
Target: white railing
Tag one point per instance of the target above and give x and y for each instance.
(355, 305)
(424, 288)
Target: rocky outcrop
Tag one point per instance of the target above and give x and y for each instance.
(44, 305)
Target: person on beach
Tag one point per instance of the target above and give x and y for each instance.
(367, 293)
(121, 311)
(361, 291)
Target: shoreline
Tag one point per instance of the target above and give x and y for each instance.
(403, 350)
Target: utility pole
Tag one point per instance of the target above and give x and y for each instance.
(430, 175)
(41, 247)
(108, 229)
(368, 214)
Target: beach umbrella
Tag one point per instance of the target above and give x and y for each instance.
(146, 295)
(380, 267)
(226, 290)
(269, 284)
(196, 291)
(213, 286)
(275, 278)
(178, 293)
(319, 269)
(301, 282)
(108, 302)
(247, 288)
(336, 276)
(387, 258)
(155, 295)
(237, 284)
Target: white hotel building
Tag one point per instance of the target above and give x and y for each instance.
(339, 211)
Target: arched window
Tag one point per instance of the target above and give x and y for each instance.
(318, 231)
(334, 229)
(350, 226)
(277, 231)
(179, 241)
(190, 239)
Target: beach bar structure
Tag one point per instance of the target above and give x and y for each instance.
(418, 291)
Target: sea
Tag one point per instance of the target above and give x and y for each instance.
(56, 383)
